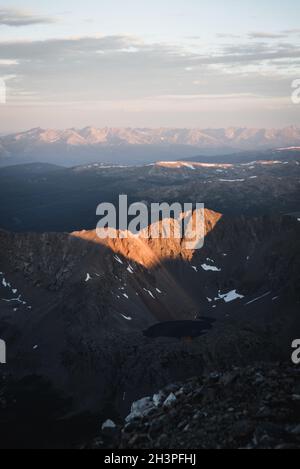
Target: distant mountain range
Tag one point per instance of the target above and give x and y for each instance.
(137, 145)
(209, 138)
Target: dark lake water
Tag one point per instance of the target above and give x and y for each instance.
(180, 329)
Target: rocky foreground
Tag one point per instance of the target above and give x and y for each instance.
(256, 407)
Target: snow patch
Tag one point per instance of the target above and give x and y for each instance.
(13, 290)
(189, 166)
(230, 296)
(5, 283)
(118, 259)
(259, 298)
(232, 180)
(130, 269)
(18, 300)
(149, 293)
(207, 267)
(128, 318)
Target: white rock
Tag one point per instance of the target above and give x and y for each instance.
(140, 408)
(158, 399)
(170, 400)
(108, 424)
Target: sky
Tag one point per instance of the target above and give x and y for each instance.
(135, 63)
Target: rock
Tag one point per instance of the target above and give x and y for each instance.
(286, 446)
(296, 430)
(197, 395)
(243, 429)
(215, 377)
(131, 426)
(158, 399)
(142, 439)
(249, 407)
(108, 424)
(180, 392)
(181, 425)
(171, 399)
(163, 441)
(229, 378)
(265, 413)
(171, 388)
(140, 408)
(259, 379)
(155, 428)
(197, 415)
(270, 432)
(110, 434)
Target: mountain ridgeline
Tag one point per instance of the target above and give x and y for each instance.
(42, 197)
(138, 145)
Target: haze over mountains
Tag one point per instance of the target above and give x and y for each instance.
(137, 145)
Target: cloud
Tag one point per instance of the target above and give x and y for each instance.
(8, 62)
(265, 35)
(111, 49)
(292, 31)
(228, 36)
(17, 18)
(124, 69)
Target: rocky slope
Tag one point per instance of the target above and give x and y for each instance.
(255, 407)
(73, 308)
